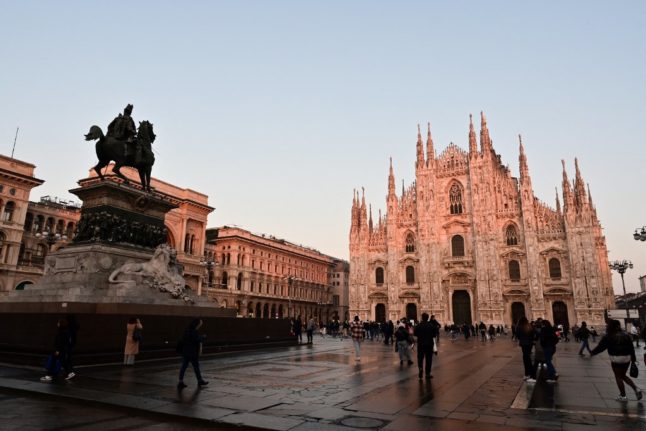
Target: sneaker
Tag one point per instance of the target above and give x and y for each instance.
(621, 398)
(70, 376)
(421, 373)
(525, 378)
(410, 362)
(202, 383)
(530, 380)
(181, 385)
(46, 379)
(639, 394)
(551, 380)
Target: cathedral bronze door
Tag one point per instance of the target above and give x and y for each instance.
(517, 311)
(461, 307)
(411, 312)
(380, 313)
(559, 311)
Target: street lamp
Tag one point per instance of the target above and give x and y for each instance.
(621, 266)
(640, 234)
(50, 237)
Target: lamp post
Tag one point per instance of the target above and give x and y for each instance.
(640, 234)
(50, 237)
(621, 266)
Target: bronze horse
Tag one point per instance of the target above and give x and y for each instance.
(110, 149)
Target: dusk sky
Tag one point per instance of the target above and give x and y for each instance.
(279, 109)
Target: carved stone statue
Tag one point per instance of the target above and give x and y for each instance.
(160, 272)
(126, 146)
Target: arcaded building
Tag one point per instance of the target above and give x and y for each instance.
(266, 277)
(467, 241)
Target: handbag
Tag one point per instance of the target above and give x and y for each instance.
(634, 371)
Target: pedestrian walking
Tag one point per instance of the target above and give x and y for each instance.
(191, 349)
(549, 340)
(298, 329)
(584, 335)
(492, 333)
(311, 325)
(425, 333)
(483, 331)
(62, 348)
(356, 332)
(622, 353)
(634, 333)
(133, 337)
(525, 335)
(403, 346)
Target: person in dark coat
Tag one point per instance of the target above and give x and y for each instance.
(622, 352)
(584, 335)
(549, 340)
(191, 350)
(298, 329)
(425, 333)
(62, 348)
(525, 335)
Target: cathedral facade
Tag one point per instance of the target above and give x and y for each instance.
(467, 242)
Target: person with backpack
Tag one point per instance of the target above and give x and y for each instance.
(190, 347)
(402, 339)
(622, 353)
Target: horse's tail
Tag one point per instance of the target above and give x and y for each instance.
(114, 275)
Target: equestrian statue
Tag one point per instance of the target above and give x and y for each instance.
(126, 146)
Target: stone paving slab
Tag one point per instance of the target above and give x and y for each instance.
(476, 386)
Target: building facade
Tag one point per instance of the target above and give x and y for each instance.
(467, 241)
(340, 290)
(16, 181)
(263, 276)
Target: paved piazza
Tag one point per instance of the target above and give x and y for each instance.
(475, 386)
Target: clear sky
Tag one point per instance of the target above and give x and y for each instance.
(278, 109)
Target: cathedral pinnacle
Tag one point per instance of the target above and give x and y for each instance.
(485, 140)
(473, 145)
(430, 149)
(522, 160)
(558, 202)
(391, 180)
(420, 149)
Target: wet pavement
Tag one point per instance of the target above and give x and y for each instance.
(320, 387)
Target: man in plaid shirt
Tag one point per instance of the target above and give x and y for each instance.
(356, 331)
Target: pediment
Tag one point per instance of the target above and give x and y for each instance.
(456, 222)
(409, 294)
(410, 259)
(552, 250)
(557, 291)
(513, 252)
(378, 295)
(379, 261)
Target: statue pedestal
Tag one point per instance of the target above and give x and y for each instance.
(120, 225)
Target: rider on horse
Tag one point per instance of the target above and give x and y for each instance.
(123, 128)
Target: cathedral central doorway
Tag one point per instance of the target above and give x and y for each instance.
(380, 313)
(517, 311)
(559, 311)
(461, 307)
(411, 312)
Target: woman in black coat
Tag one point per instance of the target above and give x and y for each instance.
(191, 349)
(526, 335)
(622, 352)
(549, 340)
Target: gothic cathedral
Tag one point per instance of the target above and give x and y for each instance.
(469, 242)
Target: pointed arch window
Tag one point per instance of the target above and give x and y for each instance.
(457, 246)
(455, 198)
(410, 275)
(225, 280)
(511, 235)
(410, 243)
(555, 268)
(514, 270)
(379, 276)
(239, 282)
